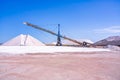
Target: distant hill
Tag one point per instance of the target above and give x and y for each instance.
(1, 43)
(112, 40)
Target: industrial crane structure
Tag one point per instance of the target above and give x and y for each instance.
(59, 43)
(58, 35)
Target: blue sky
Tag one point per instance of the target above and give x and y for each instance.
(79, 19)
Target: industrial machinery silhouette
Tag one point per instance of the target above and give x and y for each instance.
(59, 43)
(58, 35)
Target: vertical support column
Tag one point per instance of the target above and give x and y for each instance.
(59, 37)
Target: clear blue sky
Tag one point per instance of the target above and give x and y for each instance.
(79, 19)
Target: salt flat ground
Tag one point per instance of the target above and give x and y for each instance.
(61, 66)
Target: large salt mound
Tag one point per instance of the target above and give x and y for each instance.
(23, 40)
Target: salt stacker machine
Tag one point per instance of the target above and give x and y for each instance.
(59, 36)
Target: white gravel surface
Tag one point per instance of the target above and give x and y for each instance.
(45, 49)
